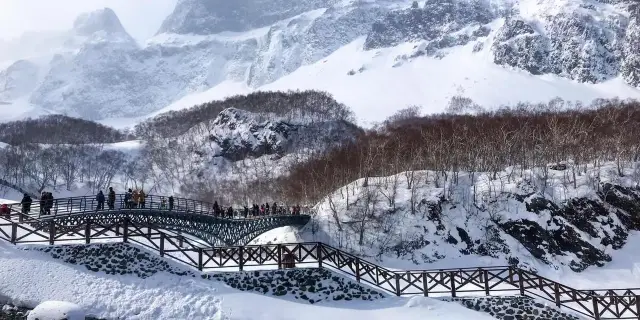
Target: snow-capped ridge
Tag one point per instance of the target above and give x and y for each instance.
(102, 20)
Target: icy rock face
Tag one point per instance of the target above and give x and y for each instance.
(18, 79)
(309, 38)
(437, 18)
(238, 134)
(584, 44)
(214, 16)
(630, 69)
(104, 20)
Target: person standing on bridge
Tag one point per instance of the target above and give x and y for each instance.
(111, 201)
(230, 212)
(43, 202)
(216, 208)
(100, 199)
(245, 211)
(135, 196)
(26, 203)
(170, 203)
(142, 197)
(128, 199)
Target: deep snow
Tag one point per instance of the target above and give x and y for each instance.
(166, 296)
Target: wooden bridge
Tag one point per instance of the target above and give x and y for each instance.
(196, 218)
(75, 220)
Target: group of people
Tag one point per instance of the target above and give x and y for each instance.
(136, 199)
(255, 210)
(133, 199)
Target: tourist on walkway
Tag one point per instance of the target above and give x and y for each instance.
(48, 202)
(216, 208)
(26, 204)
(100, 199)
(230, 212)
(111, 201)
(43, 202)
(135, 197)
(5, 211)
(245, 211)
(143, 198)
(170, 203)
(128, 199)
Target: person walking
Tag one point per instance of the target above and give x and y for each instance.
(170, 203)
(100, 199)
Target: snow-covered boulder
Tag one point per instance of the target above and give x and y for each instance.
(57, 310)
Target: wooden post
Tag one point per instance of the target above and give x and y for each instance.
(52, 232)
(397, 284)
(279, 256)
(319, 254)
(117, 229)
(162, 244)
(87, 232)
(596, 313)
(20, 217)
(520, 282)
(125, 230)
(14, 232)
(452, 276)
(425, 284)
(200, 259)
(241, 258)
(357, 269)
(485, 274)
(556, 292)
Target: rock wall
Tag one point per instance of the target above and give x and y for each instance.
(512, 308)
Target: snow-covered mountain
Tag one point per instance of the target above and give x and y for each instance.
(535, 49)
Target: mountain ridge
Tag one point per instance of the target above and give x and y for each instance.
(103, 73)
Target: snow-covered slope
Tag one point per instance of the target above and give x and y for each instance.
(29, 278)
(390, 54)
(588, 233)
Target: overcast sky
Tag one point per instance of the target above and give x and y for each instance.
(141, 18)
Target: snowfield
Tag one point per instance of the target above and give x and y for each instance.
(29, 278)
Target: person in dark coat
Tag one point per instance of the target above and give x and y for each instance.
(274, 209)
(100, 199)
(48, 203)
(245, 212)
(43, 202)
(266, 208)
(111, 201)
(26, 204)
(216, 208)
(230, 212)
(170, 203)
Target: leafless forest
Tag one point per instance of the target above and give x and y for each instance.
(523, 137)
(63, 151)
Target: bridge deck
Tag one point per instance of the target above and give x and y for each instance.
(197, 218)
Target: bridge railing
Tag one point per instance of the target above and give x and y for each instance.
(77, 205)
(480, 281)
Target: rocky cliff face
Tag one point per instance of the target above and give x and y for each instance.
(101, 72)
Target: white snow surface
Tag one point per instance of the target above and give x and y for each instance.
(177, 71)
(56, 310)
(166, 296)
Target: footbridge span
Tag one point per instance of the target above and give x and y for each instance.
(198, 219)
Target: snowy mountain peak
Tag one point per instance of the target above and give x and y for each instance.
(102, 20)
(214, 16)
